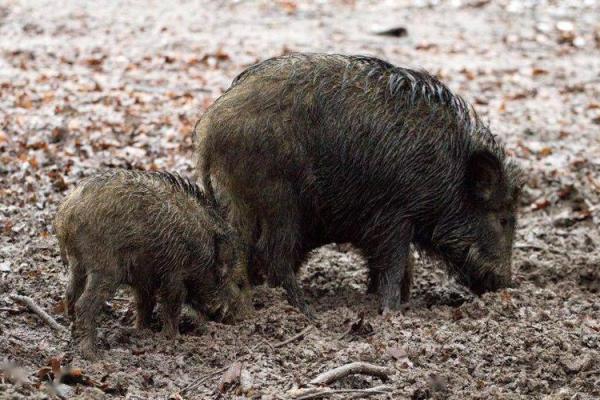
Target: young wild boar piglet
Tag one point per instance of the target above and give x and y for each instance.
(155, 232)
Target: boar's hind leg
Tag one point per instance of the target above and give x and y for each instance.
(75, 286)
(390, 272)
(144, 305)
(279, 247)
(99, 289)
(408, 279)
(172, 295)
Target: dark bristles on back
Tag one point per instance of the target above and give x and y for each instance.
(180, 183)
(407, 85)
(176, 181)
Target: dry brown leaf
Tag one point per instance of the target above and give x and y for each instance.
(540, 204)
(290, 7)
(231, 377)
(426, 46)
(396, 352)
(23, 101)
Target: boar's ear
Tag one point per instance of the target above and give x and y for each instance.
(484, 178)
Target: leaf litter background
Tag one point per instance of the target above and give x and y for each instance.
(88, 85)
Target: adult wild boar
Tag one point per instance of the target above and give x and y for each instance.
(309, 149)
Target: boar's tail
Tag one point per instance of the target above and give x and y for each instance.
(62, 248)
(63, 256)
(207, 181)
(204, 161)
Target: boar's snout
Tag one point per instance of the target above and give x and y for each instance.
(234, 305)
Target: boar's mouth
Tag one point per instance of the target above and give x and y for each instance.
(489, 282)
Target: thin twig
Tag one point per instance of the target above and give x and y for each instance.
(10, 310)
(200, 381)
(28, 301)
(265, 341)
(349, 369)
(315, 393)
(294, 338)
(346, 333)
(375, 389)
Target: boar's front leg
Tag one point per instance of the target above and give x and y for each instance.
(279, 246)
(390, 269)
(407, 280)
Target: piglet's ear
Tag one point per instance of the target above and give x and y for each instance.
(222, 267)
(484, 178)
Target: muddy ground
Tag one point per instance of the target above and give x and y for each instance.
(86, 85)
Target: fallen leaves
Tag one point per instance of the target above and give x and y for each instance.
(400, 355)
(24, 101)
(55, 374)
(236, 379)
(573, 364)
(567, 34)
(5, 266)
(359, 328)
(288, 6)
(58, 182)
(231, 377)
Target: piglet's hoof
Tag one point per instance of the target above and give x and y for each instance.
(90, 352)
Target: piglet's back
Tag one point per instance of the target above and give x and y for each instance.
(124, 209)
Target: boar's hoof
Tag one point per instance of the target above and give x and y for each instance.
(169, 332)
(90, 352)
(385, 311)
(393, 303)
(307, 311)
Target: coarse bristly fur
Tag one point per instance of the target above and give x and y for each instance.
(155, 232)
(308, 149)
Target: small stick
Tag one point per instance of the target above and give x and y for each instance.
(28, 301)
(293, 338)
(374, 389)
(200, 381)
(349, 369)
(316, 393)
(9, 310)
